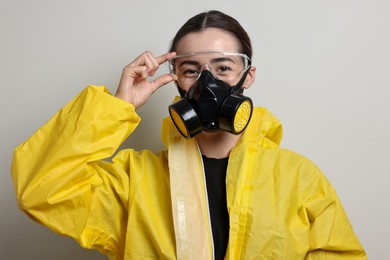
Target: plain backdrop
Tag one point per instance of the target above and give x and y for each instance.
(322, 69)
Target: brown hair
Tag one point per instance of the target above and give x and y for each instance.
(219, 20)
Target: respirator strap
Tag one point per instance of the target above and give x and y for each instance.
(183, 93)
(238, 88)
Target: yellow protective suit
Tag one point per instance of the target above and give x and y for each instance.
(144, 205)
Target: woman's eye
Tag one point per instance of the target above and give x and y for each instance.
(224, 69)
(190, 72)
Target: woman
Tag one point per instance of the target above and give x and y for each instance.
(213, 193)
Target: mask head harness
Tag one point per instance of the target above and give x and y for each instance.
(212, 104)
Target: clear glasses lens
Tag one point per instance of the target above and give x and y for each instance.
(225, 66)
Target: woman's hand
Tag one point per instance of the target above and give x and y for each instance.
(134, 86)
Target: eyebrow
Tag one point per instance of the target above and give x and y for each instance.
(215, 60)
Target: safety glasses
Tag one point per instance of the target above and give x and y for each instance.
(226, 66)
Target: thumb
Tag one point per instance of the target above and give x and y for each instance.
(162, 80)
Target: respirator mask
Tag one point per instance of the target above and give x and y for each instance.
(210, 104)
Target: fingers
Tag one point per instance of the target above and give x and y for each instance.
(162, 80)
(146, 64)
(151, 62)
(165, 57)
(134, 85)
(167, 78)
(135, 72)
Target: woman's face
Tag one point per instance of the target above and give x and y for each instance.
(209, 40)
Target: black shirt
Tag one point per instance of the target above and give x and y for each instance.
(215, 171)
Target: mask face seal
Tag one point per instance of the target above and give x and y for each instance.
(210, 105)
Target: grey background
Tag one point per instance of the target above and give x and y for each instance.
(322, 69)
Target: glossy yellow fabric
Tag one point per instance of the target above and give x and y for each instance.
(146, 205)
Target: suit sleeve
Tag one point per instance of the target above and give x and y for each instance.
(331, 234)
(61, 179)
